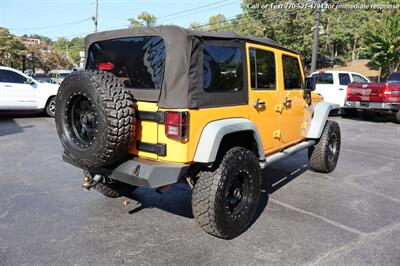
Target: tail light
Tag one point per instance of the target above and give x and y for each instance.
(176, 125)
(387, 92)
(348, 90)
(106, 66)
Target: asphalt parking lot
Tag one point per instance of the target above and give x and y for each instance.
(351, 216)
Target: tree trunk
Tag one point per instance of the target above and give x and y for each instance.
(353, 52)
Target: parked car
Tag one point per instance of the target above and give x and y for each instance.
(57, 76)
(332, 85)
(231, 106)
(376, 98)
(18, 91)
(42, 77)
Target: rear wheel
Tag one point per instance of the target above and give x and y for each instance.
(114, 189)
(368, 115)
(224, 200)
(325, 154)
(350, 112)
(398, 117)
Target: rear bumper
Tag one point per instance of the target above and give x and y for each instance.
(141, 172)
(372, 105)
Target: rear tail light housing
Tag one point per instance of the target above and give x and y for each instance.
(176, 125)
(106, 66)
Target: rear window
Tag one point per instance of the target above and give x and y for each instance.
(358, 78)
(344, 78)
(137, 61)
(394, 78)
(222, 68)
(323, 78)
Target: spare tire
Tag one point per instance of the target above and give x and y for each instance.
(95, 118)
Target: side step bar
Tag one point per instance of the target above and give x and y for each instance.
(286, 153)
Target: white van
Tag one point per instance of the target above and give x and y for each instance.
(57, 76)
(332, 85)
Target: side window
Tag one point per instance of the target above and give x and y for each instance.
(262, 69)
(11, 77)
(323, 78)
(344, 78)
(291, 73)
(222, 68)
(2, 75)
(358, 78)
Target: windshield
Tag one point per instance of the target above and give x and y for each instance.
(394, 78)
(64, 75)
(137, 61)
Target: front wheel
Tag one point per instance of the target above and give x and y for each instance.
(225, 200)
(325, 154)
(51, 107)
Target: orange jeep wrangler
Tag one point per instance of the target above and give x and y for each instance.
(162, 104)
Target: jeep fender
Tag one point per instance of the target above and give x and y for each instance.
(318, 121)
(213, 132)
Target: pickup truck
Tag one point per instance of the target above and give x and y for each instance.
(332, 85)
(374, 98)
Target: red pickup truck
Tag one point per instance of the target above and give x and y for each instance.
(381, 97)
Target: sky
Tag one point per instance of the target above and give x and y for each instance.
(72, 18)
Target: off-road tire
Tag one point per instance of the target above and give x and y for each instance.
(50, 105)
(110, 113)
(212, 189)
(115, 189)
(323, 156)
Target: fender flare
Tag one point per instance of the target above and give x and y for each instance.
(318, 121)
(213, 132)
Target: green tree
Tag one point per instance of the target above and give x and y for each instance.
(382, 43)
(12, 50)
(70, 48)
(144, 19)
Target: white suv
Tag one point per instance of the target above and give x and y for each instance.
(20, 92)
(332, 85)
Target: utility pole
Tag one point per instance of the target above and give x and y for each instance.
(316, 36)
(96, 17)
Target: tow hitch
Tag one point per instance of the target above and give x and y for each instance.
(89, 181)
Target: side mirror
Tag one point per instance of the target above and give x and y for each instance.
(309, 84)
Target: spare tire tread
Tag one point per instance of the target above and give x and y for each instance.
(116, 103)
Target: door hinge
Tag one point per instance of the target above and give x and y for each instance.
(278, 108)
(305, 104)
(304, 125)
(277, 134)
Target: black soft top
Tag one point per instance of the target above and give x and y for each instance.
(182, 86)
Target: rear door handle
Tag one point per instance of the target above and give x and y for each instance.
(6, 85)
(258, 104)
(341, 89)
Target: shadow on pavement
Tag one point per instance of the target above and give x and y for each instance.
(178, 199)
(8, 125)
(377, 118)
